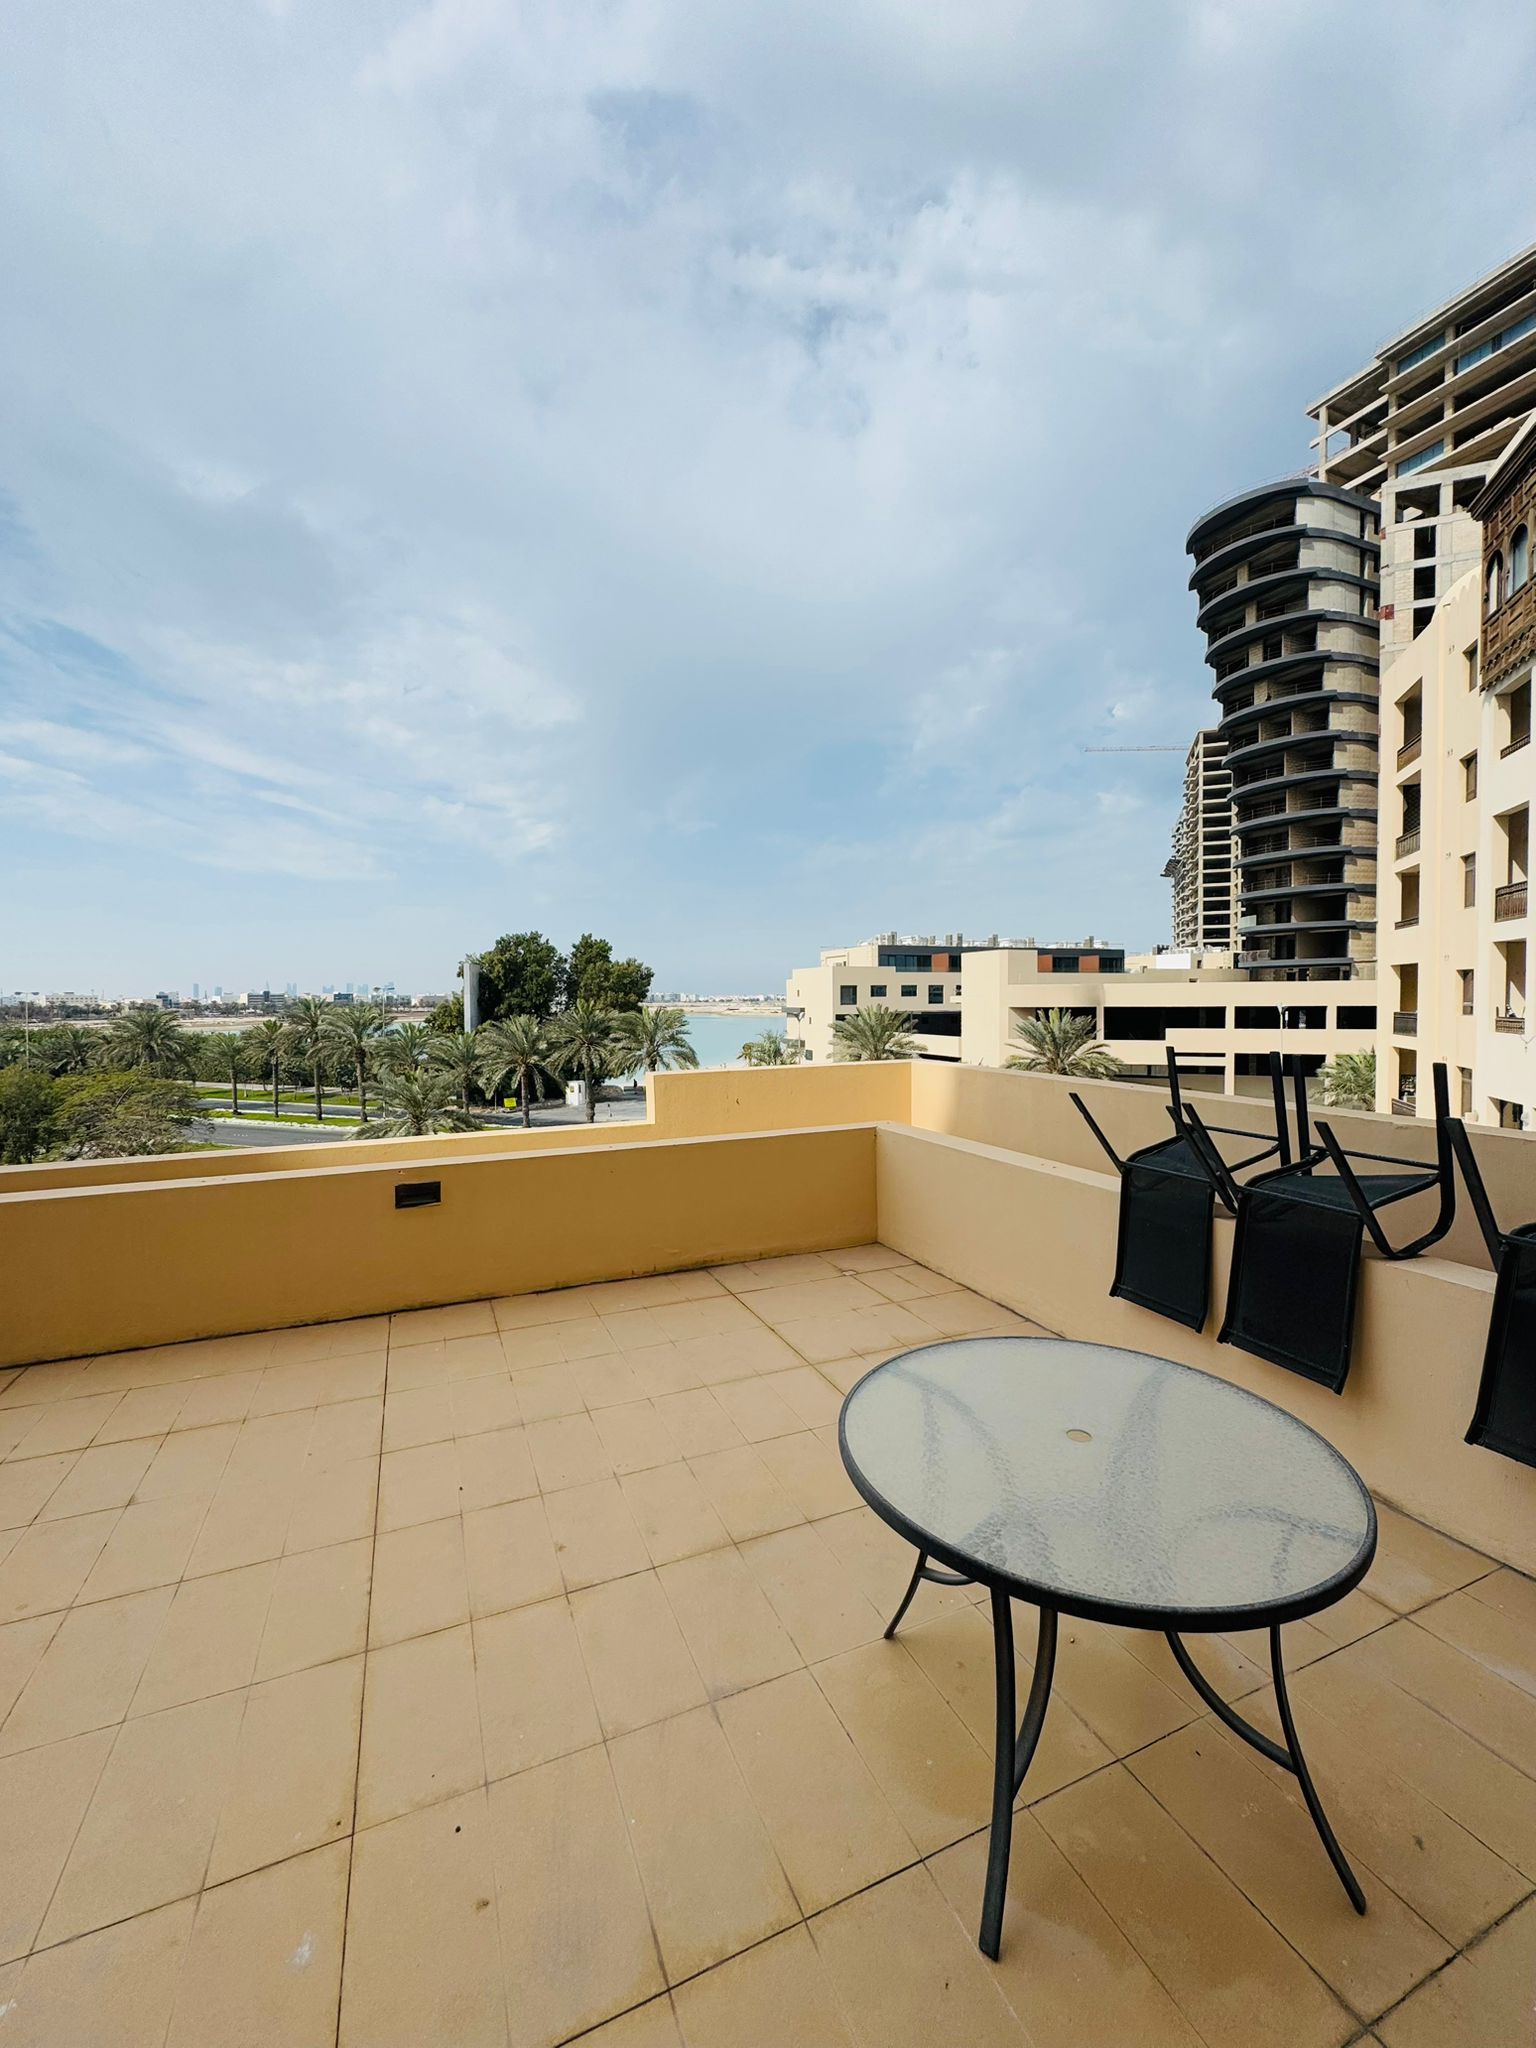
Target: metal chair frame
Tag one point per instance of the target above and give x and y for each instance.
(1220, 1172)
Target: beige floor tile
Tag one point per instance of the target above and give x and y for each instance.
(417, 1365)
(1112, 1690)
(87, 1675)
(1467, 1690)
(47, 1564)
(648, 2026)
(730, 1629)
(954, 1650)
(495, 1467)
(634, 1329)
(337, 1505)
(509, 1554)
(487, 1403)
(535, 1696)
(815, 1596)
(903, 1283)
(814, 1399)
(295, 1768)
(319, 1609)
(866, 1258)
(606, 1381)
(329, 1340)
(471, 1358)
(209, 1641)
(57, 1381)
(881, 1562)
(421, 1726)
(834, 1296)
(272, 1449)
(421, 1485)
(546, 1393)
(810, 1473)
(523, 1311)
(1415, 1563)
(663, 1369)
(264, 1961)
(567, 1888)
(420, 1581)
(710, 1874)
(22, 1644)
(757, 1410)
(285, 1388)
(423, 1961)
(935, 1775)
(1501, 1638)
(28, 1484)
(1229, 1669)
(1484, 1997)
(245, 1523)
(845, 1373)
(775, 1994)
(737, 1354)
(1235, 1979)
(567, 1451)
(206, 1402)
(614, 1297)
(909, 1973)
(957, 1313)
(1065, 1968)
(744, 1493)
(1511, 1592)
(596, 1536)
(635, 1437)
(831, 1826)
(1252, 1823)
(673, 1513)
(67, 1426)
(750, 1276)
(524, 1350)
(345, 1430)
(149, 1546)
(637, 1660)
(458, 1319)
(697, 1422)
(113, 1989)
(190, 1461)
(147, 1833)
(417, 1415)
(16, 1424)
(585, 1339)
(44, 1794)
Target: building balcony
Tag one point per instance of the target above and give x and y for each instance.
(1513, 746)
(1407, 842)
(1509, 901)
(454, 1625)
(1509, 1021)
(1405, 1022)
(1410, 751)
(1405, 1105)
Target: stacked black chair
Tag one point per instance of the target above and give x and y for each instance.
(1505, 1417)
(1296, 1249)
(1168, 1193)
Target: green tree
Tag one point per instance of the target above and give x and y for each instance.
(446, 1016)
(356, 1030)
(1349, 1081)
(648, 1040)
(403, 1048)
(268, 1043)
(772, 1049)
(122, 1115)
(456, 1056)
(226, 1056)
(522, 975)
(67, 1049)
(417, 1104)
(29, 1114)
(515, 1050)
(150, 1040)
(1060, 1043)
(592, 975)
(307, 1022)
(583, 1043)
(873, 1033)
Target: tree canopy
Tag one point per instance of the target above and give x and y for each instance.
(522, 975)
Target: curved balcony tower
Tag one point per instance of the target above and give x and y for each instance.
(1286, 578)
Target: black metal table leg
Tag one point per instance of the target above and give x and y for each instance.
(1287, 1755)
(1015, 1749)
(921, 1571)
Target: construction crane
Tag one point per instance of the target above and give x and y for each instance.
(1135, 750)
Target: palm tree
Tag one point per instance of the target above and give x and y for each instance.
(873, 1033)
(773, 1049)
(307, 1022)
(514, 1049)
(582, 1042)
(649, 1040)
(355, 1030)
(1061, 1043)
(414, 1104)
(456, 1056)
(268, 1044)
(403, 1048)
(68, 1049)
(150, 1039)
(1349, 1081)
(226, 1054)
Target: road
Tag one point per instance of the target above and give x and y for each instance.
(252, 1130)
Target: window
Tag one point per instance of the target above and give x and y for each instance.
(877, 988)
(935, 992)
(1468, 981)
(1424, 543)
(1430, 454)
(1421, 354)
(1495, 581)
(909, 988)
(1469, 655)
(1519, 559)
(1468, 880)
(848, 994)
(1468, 777)
(1357, 1017)
(1466, 1090)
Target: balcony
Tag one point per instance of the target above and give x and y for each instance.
(1407, 842)
(1409, 751)
(1506, 1020)
(1513, 746)
(1405, 1022)
(1509, 901)
(1405, 1105)
(454, 1626)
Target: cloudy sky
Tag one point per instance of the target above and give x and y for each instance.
(701, 470)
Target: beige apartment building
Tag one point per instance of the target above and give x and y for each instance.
(1458, 782)
(1219, 1019)
(1201, 869)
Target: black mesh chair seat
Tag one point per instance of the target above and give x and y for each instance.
(1326, 1191)
(1504, 1419)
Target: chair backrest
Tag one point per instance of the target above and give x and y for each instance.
(1477, 1190)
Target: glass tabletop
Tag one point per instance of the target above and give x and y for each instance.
(1108, 1483)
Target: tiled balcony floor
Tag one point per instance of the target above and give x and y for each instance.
(512, 1671)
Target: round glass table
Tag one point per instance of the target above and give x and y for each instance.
(1113, 1486)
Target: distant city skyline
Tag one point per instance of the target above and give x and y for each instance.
(704, 476)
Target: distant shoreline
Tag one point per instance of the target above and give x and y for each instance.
(722, 1009)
